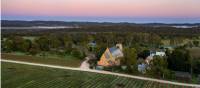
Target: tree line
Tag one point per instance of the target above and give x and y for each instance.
(135, 45)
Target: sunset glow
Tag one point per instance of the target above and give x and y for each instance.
(103, 8)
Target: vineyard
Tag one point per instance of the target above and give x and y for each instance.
(26, 76)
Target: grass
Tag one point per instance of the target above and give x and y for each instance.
(26, 76)
(29, 37)
(167, 41)
(65, 61)
(195, 52)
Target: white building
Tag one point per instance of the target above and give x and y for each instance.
(158, 53)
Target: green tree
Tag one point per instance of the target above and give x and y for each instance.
(18, 42)
(26, 45)
(155, 40)
(9, 45)
(179, 60)
(67, 43)
(99, 50)
(130, 59)
(158, 67)
(196, 65)
(43, 43)
(196, 43)
(34, 49)
(54, 42)
(77, 53)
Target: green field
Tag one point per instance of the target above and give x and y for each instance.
(26, 76)
(63, 61)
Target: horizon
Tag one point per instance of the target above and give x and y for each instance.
(105, 19)
(137, 11)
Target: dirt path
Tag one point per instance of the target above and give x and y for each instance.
(85, 64)
(103, 72)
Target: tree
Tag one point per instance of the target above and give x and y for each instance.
(9, 45)
(196, 43)
(179, 60)
(130, 59)
(18, 43)
(196, 65)
(158, 67)
(43, 43)
(34, 49)
(67, 43)
(26, 45)
(54, 42)
(99, 50)
(68, 47)
(78, 54)
(144, 54)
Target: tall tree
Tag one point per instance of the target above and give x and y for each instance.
(35, 49)
(9, 45)
(196, 43)
(26, 45)
(43, 43)
(179, 60)
(158, 67)
(130, 59)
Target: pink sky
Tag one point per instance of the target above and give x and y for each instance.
(126, 8)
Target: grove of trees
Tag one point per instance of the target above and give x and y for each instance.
(136, 44)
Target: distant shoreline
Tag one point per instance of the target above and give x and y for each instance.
(109, 19)
(105, 22)
(40, 27)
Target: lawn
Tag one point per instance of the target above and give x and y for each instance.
(65, 61)
(26, 76)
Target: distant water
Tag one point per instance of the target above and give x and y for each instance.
(184, 26)
(105, 19)
(40, 27)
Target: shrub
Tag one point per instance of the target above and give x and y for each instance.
(78, 54)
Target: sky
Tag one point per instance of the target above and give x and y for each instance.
(101, 10)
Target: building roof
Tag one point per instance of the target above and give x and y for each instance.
(182, 74)
(92, 44)
(116, 52)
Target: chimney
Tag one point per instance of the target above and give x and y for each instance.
(119, 46)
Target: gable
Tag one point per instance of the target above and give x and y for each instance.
(108, 58)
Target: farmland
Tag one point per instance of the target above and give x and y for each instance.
(64, 61)
(26, 76)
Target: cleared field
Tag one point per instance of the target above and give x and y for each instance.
(195, 52)
(167, 41)
(26, 76)
(65, 61)
(29, 38)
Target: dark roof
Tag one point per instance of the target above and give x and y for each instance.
(112, 49)
(182, 74)
(116, 52)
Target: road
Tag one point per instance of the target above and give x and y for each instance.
(102, 72)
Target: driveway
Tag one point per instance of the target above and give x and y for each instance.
(85, 64)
